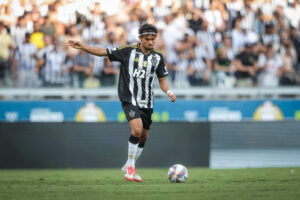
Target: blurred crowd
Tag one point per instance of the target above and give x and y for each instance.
(219, 43)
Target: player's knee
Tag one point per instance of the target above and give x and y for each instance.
(137, 131)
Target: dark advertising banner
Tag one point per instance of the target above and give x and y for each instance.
(181, 110)
(100, 145)
(255, 144)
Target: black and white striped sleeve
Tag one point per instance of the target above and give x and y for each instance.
(118, 54)
(161, 70)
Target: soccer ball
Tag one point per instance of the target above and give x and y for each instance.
(178, 173)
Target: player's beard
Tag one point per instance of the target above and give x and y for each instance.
(149, 49)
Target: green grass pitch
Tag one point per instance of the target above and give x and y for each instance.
(266, 183)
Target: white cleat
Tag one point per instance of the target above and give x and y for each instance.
(136, 177)
(129, 173)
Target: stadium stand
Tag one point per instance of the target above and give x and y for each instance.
(217, 45)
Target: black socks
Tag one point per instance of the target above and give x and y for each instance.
(141, 145)
(133, 140)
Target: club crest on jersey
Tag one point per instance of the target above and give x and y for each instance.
(153, 60)
(131, 113)
(145, 64)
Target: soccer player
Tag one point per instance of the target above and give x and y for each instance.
(139, 65)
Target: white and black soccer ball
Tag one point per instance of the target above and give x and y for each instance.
(178, 173)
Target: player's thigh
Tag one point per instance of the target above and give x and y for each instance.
(136, 126)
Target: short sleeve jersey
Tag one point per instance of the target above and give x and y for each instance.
(248, 60)
(137, 74)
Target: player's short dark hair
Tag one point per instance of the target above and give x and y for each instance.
(147, 28)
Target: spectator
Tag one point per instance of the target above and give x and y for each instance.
(206, 41)
(223, 68)
(249, 15)
(104, 70)
(181, 70)
(281, 22)
(160, 10)
(26, 70)
(245, 67)
(241, 34)
(6, 15)
(204, 49)
(56, 72)
(41, 54)
(29, 23)
(267, 11)
(196, 20)
(238, 40)
(214, 17)
(291, 13)
(108, 74)
(295, 39)
(95, 27)
(269, 64)
(160, 43)
(170, 36)
(227, 46)
(18, 31)
(87, 33)
(287, 73)
(6, 54)
(234, 7)
(197, 71)
(48, 27)
(82, 67)
(72, 35)
(271, 36)
(37, 37)
(132, 27)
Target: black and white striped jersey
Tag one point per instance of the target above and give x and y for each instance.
(137, 74)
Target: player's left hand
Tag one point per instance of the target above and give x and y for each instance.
(172, 96)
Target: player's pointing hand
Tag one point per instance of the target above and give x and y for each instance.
(74, 44)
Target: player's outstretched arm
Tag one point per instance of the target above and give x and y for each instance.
(164, 87)
(97, 51)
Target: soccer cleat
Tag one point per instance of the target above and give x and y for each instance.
(129, 173)
(136, 177)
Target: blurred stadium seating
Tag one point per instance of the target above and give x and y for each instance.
(205, 43)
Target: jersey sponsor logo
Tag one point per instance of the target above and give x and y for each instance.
(141, 73)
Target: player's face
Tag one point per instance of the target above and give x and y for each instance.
(148, 41)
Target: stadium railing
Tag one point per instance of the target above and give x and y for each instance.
(187, 93)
